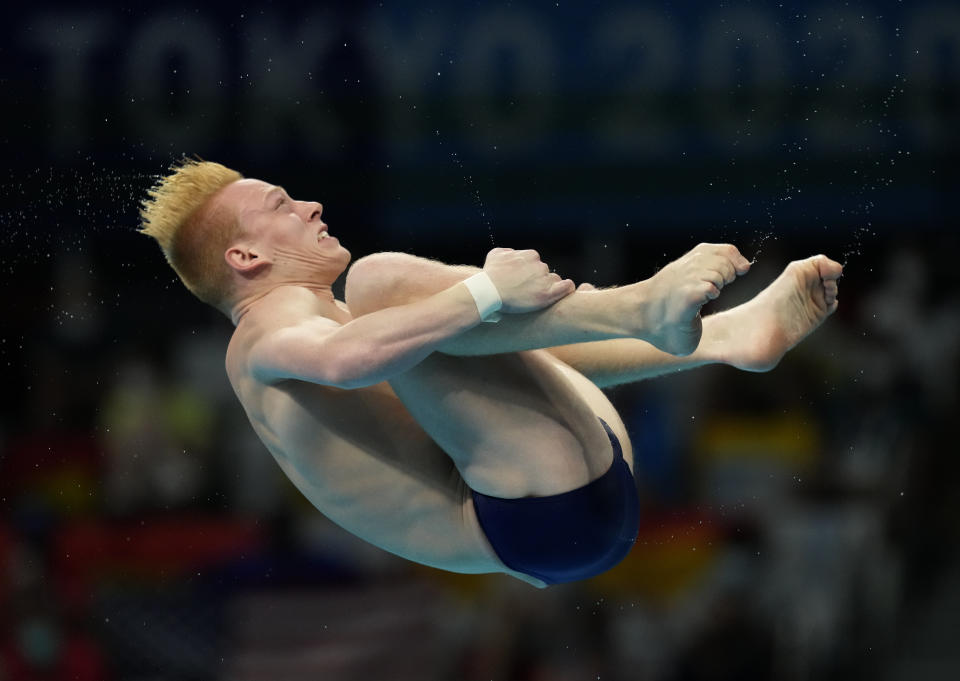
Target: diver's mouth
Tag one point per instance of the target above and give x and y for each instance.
(323, 235)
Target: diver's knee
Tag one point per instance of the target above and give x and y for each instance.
(371, 281)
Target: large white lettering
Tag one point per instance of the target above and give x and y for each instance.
(932, 52)
(185, 117)
(69, 40)
(639, 55)
(742, 78)
(492, 78)
(518, 116)
(282, 100)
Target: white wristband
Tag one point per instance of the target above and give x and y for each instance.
(485, 295)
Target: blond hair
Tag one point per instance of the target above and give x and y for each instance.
(192, 234)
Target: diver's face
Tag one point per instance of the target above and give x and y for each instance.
(291, 234)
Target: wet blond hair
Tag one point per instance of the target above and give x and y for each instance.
(192, 233)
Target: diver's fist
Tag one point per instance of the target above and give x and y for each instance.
(525, 283)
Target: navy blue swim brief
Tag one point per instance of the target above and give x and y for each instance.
(566, 537)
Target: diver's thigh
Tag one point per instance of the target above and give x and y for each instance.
(599, 403)
(513, 424)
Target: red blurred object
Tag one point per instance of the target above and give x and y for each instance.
(6, 542)
(154, 550)
(58, 468)
(80, 660)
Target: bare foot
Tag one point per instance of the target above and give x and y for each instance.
(672, 298)
(756, 335)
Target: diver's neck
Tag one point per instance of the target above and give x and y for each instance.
(242, 307)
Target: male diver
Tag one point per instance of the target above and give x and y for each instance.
(468, 446)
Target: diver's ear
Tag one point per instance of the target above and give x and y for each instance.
(245, 259)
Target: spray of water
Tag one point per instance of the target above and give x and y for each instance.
(49, 210)
(873, 173)
(472, 189)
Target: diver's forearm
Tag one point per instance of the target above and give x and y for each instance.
(581, 317)
(399, 279)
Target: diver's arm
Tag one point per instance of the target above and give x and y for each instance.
(385, 279)
(366, 350)
(377, 346)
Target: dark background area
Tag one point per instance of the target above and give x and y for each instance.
(800, 524)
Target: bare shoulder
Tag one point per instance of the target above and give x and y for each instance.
(284, 317)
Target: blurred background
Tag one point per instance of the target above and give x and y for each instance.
(798, 525)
